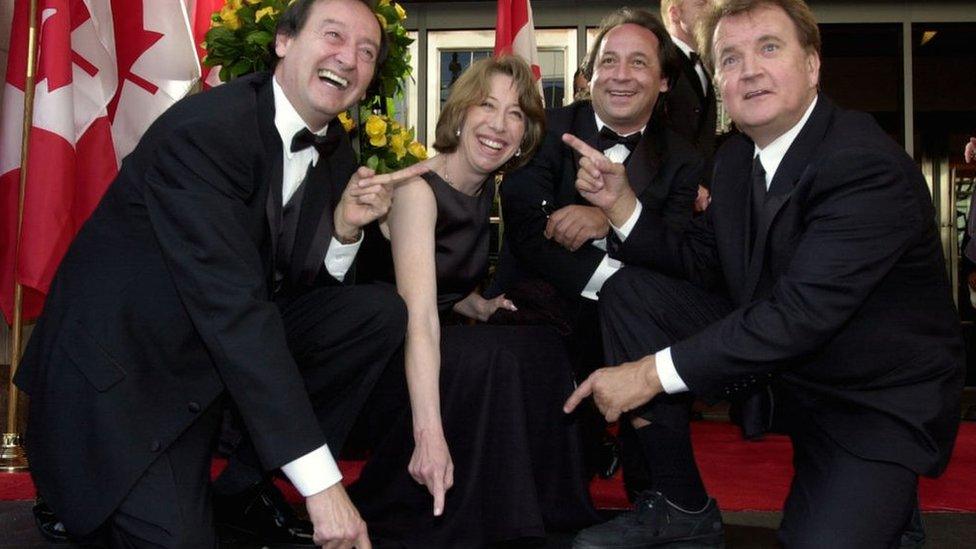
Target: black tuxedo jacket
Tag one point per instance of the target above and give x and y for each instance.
(664, 170)
(842, 297)
(690, 111)
(163, 303)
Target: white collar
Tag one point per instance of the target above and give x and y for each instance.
(287, 120)
(600, 124)
(685, 48)
(772, 154)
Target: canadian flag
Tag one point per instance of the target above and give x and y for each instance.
(515, 32)
(106, 69)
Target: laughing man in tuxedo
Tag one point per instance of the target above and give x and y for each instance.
(551, 233)
(214, 272)
(821, 228)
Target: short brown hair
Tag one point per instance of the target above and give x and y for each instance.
(667, 52)
(798, 11)
(473, 86)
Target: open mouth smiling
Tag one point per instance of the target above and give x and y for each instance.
(332, 78)
(491, 143)
(756, 93)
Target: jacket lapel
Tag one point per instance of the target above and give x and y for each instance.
(643, 163)
(688, 68)
(790, 170)
(324, 186)
(732, 185)
(273, 171)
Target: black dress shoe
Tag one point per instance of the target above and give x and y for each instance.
(51, 528)
(654, 522)
(260, 514)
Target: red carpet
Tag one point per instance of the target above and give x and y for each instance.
(743, 476)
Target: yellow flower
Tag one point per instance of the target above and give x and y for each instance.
(347, 122)
(264, 12)
(401, 13)
(376, 130)
(252, 2)
(228, 15)
(397, 146)
(375, 125)
(382, 20)
(384, 3)
(417, 150)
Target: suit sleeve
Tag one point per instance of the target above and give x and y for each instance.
(861, 215)
(690, 253)
(196, 208)
(522, 194)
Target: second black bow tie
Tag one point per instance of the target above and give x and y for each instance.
(324, 144)
(608, 138)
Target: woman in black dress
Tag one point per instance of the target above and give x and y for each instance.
(491, 458)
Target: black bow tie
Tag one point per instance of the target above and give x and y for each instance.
(695, 58)
(324, 144)
(608, 138)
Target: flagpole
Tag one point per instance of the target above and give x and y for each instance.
(12, 457)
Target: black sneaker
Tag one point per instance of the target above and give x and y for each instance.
(655, 522)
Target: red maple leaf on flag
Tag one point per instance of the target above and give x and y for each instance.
(136, 57)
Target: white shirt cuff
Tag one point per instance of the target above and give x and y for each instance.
(313, 472)
(339, 257)
(607, 267)
(667, 373)
(624, 230)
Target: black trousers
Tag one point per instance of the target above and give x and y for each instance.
(836, 499)
(642, 312)
(342, 337)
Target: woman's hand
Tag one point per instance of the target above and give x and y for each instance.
(476, 307)
(431, 465)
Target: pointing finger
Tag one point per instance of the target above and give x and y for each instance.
(584, 390)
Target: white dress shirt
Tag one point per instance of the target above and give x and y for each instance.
(608, 266)
(316, 470)
(771, 156)
(340, 256)
(699, 68)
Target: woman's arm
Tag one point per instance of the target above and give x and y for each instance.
(411, 222)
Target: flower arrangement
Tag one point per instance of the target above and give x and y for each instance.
(241, 41)
(388, 145)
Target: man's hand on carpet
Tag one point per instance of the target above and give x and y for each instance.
(337, 522)
(618, 389)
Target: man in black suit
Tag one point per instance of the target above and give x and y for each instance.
(821, 229)
(689, 105)
(551, 233)
(214, 272)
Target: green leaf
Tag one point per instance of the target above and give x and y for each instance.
(260, 38)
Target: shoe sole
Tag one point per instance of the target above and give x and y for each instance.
(703, 542)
